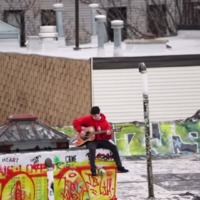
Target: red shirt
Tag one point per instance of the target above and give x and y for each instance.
(99, 125)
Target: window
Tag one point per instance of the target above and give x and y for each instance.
(48, 17)
(157, 21)
(16, 19)
(191, 13)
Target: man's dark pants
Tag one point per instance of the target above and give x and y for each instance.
(105, 144)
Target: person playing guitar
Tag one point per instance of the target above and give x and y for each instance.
(100, 125)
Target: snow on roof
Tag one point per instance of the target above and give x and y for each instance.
(187, 42)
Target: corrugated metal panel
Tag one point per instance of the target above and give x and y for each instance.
(114, 91)
(174, 93)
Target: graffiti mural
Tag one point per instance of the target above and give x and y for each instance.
(166, 137)
(23, 182)
(26, 176)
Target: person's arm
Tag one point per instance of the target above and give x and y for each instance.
(108, 128)
(79, 123)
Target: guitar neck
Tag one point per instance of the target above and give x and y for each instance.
(91, 130)
(99, 132)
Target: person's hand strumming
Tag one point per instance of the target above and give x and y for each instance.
(108, 132)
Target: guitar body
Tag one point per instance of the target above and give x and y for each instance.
(90, 133)
(89, 136)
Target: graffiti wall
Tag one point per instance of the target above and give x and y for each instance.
(166, 137)
(27, 176)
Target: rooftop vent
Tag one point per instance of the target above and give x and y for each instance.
(24, 132)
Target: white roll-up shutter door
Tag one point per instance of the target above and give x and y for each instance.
(174, 93)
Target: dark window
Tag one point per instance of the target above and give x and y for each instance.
(16, 19)
(48, 17)
(157, 22)
(191, 13)
(116, 13)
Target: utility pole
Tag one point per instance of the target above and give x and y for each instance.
(76, 25)
(143, 71)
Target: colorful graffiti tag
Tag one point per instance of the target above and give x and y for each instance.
(23, 182)
(25, 176)
(166, 137)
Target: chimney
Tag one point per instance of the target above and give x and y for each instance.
(117, 25)
(100, 19)
(58, 7)
(94, 7)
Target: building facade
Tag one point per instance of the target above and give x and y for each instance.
(139, 17)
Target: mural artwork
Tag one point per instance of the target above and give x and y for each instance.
(25, 176)
(166, 137)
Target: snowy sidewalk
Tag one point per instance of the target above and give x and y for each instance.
(174, 178)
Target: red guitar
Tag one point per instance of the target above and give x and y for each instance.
(90, 133)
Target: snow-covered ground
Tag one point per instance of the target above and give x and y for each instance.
(173, 178)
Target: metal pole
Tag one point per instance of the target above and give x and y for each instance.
(58, 7)
(94, 7)
(77, 24)
(100, 19)
(117, 25)
(49, 166)
(143, 71)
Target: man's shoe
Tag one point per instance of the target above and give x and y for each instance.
(122, 170)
